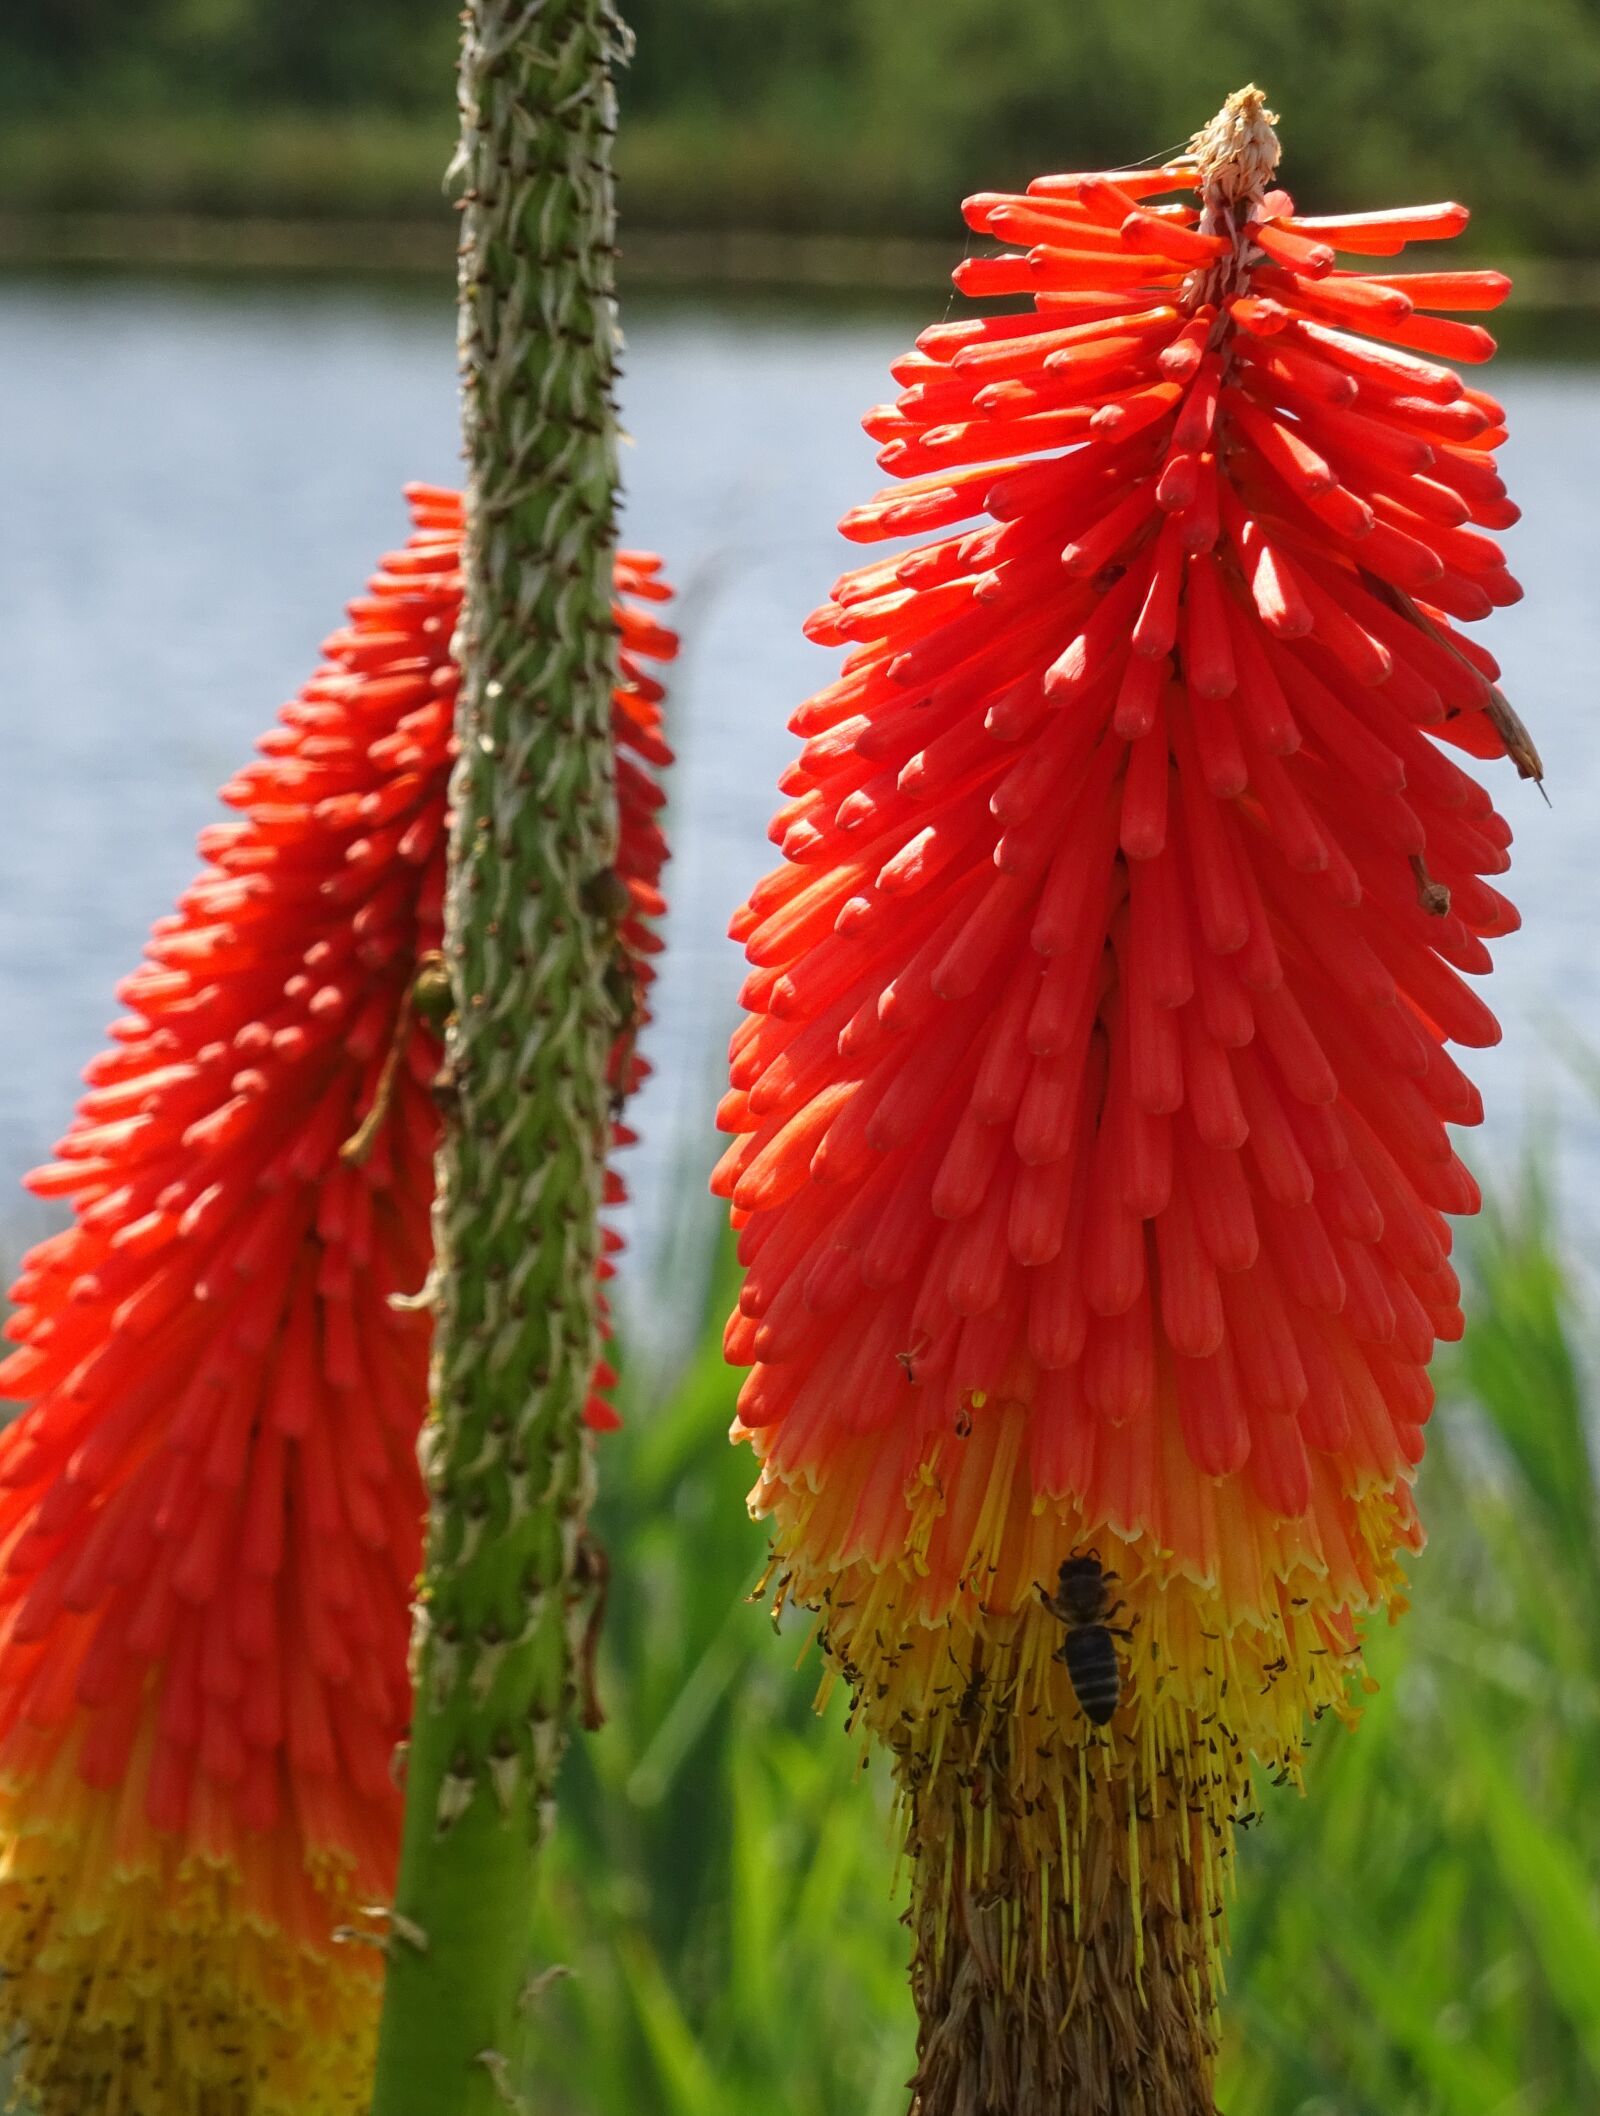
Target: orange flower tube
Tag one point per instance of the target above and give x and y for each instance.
(211, 1512)
(1091, 1165)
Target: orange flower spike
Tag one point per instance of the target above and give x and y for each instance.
(210, 1513)
(1090, 1163)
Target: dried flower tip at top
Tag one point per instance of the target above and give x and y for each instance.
(1237, 154)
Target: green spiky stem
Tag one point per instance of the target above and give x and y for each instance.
(528, 939)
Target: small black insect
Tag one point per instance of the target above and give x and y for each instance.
(1082, 1601)
(968, 1710)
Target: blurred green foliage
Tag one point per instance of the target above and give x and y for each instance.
(142, 55)
(1419, 1936)
(719, 1881)
(866, 115)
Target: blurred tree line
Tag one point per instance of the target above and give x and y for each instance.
(135, 56)
(867, 115)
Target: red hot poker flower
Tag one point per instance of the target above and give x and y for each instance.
(1090, 1164)
(210, 1514)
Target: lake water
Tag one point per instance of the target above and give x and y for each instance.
(193, 479)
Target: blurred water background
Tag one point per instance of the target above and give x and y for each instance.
(197, 474)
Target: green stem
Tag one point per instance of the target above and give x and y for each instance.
(528, 940)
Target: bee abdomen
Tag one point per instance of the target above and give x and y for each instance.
(1091, 1660)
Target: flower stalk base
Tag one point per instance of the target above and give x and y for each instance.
(1063, 1951)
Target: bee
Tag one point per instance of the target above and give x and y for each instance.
(1082, 1601)
(971, 1705)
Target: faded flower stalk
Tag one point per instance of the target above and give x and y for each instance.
(1090, 1160)
(531, 955)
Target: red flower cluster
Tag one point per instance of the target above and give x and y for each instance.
(210, 1515)
(1095, 1055)
(1091, 1164)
